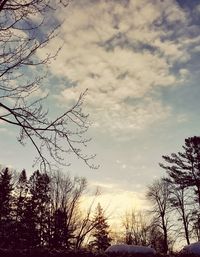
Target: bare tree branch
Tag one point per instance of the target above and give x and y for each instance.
(21, 37)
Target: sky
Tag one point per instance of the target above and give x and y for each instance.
(139, 60)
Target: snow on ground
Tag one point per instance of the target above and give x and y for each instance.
(192, 248)
(124, 248)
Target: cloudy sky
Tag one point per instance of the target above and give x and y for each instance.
(139, 60)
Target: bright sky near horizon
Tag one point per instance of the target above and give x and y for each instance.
(139, 60)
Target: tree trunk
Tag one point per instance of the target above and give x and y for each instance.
(165, 236)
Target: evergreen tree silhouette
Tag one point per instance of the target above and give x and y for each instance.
(101, 232)
(183, 169)
(5, 206)
(36, 214)
(30, 235)
(59, 234)
(20, 201)
(40, 201)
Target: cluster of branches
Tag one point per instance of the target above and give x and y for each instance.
(43, 211)
(176, 197)
(137, 228)
(27, 26)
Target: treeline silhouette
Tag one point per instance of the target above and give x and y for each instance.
(44, 211)
(41, 215)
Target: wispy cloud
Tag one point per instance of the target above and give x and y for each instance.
(122, 51)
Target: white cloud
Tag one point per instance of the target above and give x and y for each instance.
(121, 54)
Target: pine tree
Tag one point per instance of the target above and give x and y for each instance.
(40, 203)
(183, 169)
(20, 191)
(5, 206)
(59, 237)
(30, 235)
(101, 232)
(20, 201)
(36, 214)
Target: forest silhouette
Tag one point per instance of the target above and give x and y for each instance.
(42, 213)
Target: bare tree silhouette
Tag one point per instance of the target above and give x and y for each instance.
(25, 28)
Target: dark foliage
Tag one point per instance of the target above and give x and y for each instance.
(183, 177)
(5, 206)
(101, 231)
(40, 211)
